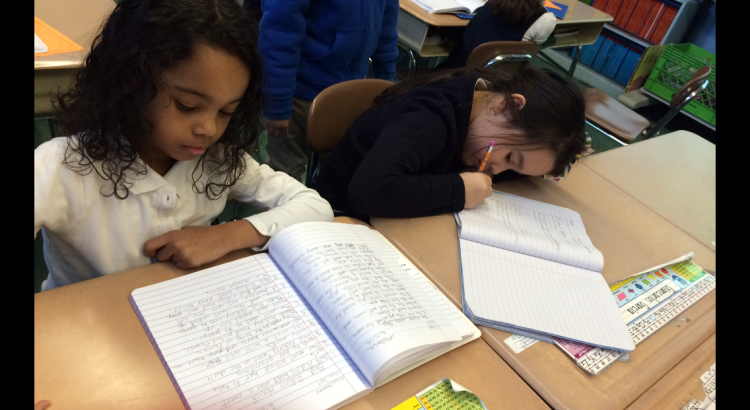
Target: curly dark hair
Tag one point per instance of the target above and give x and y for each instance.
(553, 118)
(104, 117)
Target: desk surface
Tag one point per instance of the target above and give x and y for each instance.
(577, 13)
(685, 192)
(91, 352)
(681, 384)
(631, 237)
(78, 20)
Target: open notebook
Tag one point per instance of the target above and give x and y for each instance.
(449, 6)
(331, 312)
(529, 268)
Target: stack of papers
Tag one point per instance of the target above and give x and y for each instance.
(450, 6)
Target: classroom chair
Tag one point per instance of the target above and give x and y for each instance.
(507, 56)
(332, 113)
(615, 119)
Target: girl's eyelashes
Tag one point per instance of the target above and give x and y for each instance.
(507, 157)
(183, 107)
(227, 114)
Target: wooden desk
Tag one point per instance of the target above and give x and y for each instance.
(78, 20)
(91, 352)
(632, 238)
(415, 24)
(682, 383)
(685, 191)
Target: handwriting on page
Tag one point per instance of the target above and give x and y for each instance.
(531, 227)
(358, 290)
(375, 308)
(245, 339)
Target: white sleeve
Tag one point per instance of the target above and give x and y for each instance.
(541, 29)
(286, 200)
(59, 194)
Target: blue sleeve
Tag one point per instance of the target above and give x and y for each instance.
(282, 30)
(384, 58)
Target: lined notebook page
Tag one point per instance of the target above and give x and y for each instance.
(531, 227)
(374, 308)
(238, 336)
(541, 295)
(449, 311)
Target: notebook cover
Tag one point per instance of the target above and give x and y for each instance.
(559, 12)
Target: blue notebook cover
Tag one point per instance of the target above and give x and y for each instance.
(557, 12)
(464, 16)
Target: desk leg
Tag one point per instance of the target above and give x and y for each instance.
(574, 63)
(413, 65)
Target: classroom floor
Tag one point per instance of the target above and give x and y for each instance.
(600, 142)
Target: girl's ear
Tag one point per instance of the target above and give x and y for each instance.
(519, 100)
(501, 103)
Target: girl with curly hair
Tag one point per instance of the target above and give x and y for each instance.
(160, 121)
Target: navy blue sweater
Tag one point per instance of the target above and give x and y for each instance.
(483, 28)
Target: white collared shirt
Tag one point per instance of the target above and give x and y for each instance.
(87, 234)
(541, 29)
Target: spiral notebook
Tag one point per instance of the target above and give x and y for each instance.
(529, 268)
(331, 312)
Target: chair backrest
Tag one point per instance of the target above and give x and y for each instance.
(334, 110)
(697, 82)
(508, 56)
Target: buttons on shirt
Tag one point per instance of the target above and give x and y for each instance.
(165, 198)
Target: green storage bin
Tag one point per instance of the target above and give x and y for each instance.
(673, 70)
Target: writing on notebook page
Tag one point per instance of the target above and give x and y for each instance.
(249, 342)
(531, 227)
(361, 299)
(389, 303)
(330, 313)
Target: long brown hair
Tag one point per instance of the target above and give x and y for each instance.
(553, 117)
(515, 12)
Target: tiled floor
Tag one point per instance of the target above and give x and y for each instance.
(600, 142)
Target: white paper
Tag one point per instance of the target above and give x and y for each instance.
(541, 295)
(472, 5)
(346, 265)
(519, 343)
(238, 336)
(441, 6)
(39, 46)
(531, 227)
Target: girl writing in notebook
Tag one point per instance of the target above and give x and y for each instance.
(160, 121)
(503, 20)
(417, 150)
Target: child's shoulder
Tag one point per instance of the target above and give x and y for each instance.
(56, 146)
(52, 150)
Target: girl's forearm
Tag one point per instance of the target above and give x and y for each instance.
(242, 234)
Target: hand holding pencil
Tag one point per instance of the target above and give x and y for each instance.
(477, 185)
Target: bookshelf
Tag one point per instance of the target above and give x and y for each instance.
(637, 25)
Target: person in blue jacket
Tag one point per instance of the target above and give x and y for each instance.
(307, 46)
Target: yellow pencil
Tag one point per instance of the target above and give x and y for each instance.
(486, 156)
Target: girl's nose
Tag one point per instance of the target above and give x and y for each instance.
(206, 127)
(497, 168)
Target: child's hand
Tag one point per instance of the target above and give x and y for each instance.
(276, 128)
(198, 245)
(477, 186)
(42, 404)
